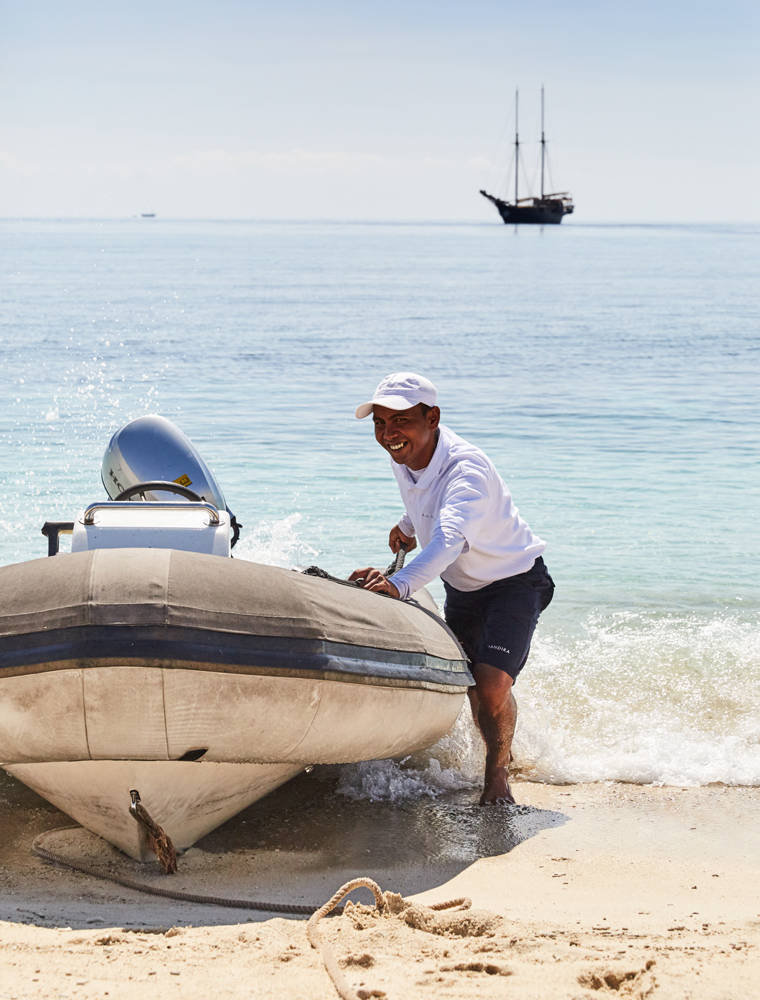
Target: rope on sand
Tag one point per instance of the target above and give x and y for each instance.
(329, 960)
(382, 901)
(187, 897)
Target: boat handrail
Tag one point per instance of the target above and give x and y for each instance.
(88, 517)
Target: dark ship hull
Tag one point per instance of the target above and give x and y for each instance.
(539, 212)
(548, 209)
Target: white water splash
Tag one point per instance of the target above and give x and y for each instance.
(667, 700)
(453, 763)
(276, 543)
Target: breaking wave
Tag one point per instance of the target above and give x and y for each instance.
(666, 700)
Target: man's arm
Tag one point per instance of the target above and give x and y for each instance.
(430, 563)
(444, 547)
(463, 506)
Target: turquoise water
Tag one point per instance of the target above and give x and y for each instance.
(611, 372)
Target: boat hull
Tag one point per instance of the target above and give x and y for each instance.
(205, 682)
(537, 212)
(187, 799)
(527, 215)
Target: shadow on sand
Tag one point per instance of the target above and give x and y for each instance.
(296, 846)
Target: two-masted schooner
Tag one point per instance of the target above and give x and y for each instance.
(544, 209)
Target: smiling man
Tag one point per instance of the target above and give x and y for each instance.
(471, 534)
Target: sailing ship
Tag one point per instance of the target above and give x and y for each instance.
(546, 208)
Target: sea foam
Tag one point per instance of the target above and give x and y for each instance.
(668, 700)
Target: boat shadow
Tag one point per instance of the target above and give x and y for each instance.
(293, 848)
(409, 847)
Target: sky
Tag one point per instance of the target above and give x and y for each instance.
(377, 110)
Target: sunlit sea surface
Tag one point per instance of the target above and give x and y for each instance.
(612, 372)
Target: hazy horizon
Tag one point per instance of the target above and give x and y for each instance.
(337, 221)
(376, 112)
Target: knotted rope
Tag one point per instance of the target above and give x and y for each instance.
(385, 902)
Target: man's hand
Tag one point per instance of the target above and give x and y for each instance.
(397, 538)
(373, 579)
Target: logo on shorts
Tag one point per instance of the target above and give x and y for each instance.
(502, 649)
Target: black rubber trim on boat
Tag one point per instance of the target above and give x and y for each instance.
(179, 647)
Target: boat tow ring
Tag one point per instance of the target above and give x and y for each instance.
(167, 487)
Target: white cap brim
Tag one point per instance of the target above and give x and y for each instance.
(392, 403)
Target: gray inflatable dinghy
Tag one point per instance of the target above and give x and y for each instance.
(146, 658)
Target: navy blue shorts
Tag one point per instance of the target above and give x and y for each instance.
(495, 624)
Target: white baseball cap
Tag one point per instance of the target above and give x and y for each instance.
(400, 391)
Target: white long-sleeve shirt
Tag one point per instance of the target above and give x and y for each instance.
(464, 519)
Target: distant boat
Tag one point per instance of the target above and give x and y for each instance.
(544, 209)
(147, 215)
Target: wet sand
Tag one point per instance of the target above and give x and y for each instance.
(581, 891)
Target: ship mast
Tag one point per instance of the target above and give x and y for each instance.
(543, 142)
(517, 146)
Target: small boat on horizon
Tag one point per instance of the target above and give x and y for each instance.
(544, 209)
(147, 665)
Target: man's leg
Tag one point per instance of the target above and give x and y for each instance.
(495, 712)
(498, 622)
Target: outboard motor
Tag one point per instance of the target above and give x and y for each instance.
(150, 452)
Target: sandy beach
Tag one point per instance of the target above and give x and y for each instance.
(581, 891)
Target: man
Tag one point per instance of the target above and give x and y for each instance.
(472, 535)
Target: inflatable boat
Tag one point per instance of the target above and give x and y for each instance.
(147, 659)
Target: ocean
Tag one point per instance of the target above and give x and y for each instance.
(612, 373)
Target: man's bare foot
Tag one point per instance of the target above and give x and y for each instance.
(496, 789)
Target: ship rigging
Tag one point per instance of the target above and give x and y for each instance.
(547, 208)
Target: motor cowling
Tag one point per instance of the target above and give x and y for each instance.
(150, 449)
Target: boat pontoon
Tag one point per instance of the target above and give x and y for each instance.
(148, 659)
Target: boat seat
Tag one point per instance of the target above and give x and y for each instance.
(188, 526)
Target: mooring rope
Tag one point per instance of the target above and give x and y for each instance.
(154, 890)
(191, 897)
(315, 914)
(158, 839)
(330, 962)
